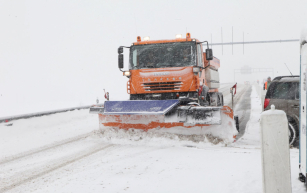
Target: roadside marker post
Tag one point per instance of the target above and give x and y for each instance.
(275, 153)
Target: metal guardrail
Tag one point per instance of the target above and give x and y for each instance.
(38, 114)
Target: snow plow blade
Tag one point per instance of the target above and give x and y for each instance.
(150, 114)
(144, 107)
(168, 116)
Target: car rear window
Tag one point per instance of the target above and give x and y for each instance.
(283, 90)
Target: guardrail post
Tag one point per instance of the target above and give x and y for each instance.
(276, 175)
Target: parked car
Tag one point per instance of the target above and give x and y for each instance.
(283, 92)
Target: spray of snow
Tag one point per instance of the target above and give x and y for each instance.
(197, 136)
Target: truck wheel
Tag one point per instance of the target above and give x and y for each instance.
(292, 133)
(221, 100)
(301, 177)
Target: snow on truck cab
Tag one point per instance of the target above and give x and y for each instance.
(170, 69)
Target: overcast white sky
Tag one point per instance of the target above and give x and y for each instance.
(59, 54)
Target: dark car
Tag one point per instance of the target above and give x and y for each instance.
(283, 92)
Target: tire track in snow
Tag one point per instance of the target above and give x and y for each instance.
(45, 148)
(24, 177)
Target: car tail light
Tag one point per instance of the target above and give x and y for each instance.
(266, 103)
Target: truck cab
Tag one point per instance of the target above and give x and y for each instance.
(172, 69)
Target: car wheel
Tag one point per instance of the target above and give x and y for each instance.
(292, 133)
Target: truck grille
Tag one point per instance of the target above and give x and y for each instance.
(153, 86)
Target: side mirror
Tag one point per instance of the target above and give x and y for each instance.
(120, 61)
(120, 50)
(209, 54)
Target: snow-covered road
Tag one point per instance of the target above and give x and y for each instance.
(65, 152)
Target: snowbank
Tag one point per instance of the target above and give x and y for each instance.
(36, 132)
(251, 137)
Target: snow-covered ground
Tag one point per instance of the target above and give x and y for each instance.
(65, 152)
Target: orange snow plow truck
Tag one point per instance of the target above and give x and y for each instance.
(173, 87)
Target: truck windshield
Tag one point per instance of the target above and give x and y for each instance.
(163, 55)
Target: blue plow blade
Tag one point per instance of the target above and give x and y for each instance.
(148, 107)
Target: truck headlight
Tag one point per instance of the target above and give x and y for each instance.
(196, 69)
(127, 73)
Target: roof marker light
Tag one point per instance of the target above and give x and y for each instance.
(126, 73)
(138, 38)
(147, 38)
(188, 35)
(178, 36)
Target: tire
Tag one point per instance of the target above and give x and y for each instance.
(236, 118)
(292, 134)
(301, 177)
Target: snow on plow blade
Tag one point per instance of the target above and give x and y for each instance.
(155, 107)
(149, 114)
(168, 116)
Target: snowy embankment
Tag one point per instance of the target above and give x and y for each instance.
(38, 132)
(251, 136)
(65, 153)
(251, 140)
